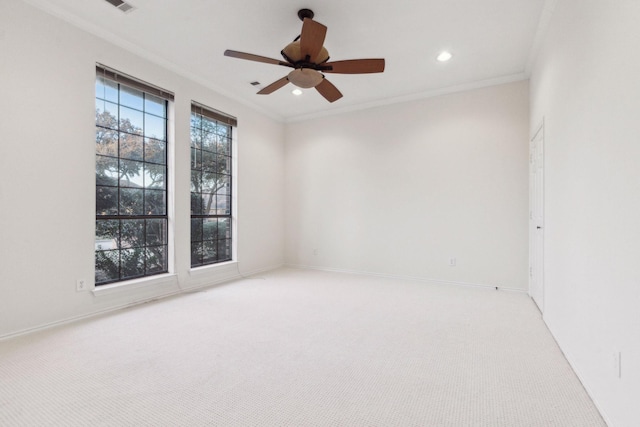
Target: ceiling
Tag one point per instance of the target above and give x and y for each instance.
(492, 42)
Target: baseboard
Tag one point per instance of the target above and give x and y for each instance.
(567, 355)
(73, 319)
(249, 273)
(179, 291)
(403, 277)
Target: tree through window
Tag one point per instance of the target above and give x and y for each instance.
(131, 179)
(211, 208)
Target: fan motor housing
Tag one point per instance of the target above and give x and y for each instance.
(293, 54)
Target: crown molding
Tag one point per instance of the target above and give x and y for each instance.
(412, 97)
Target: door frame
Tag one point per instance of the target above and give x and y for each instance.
(536, 225)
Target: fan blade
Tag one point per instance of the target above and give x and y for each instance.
(257, 58)
(312, 38)
(328, 90)
(354, 66)
(274, 86)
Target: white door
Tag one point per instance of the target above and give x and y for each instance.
(536, 218)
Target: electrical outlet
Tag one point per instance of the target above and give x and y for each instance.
(315, 252)
(81, 285)
(452, 262)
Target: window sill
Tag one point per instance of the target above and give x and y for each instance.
(207, 270)
(159, 280)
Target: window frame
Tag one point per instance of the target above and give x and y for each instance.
(160, 249)
(198, 216)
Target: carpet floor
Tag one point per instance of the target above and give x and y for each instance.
(300, 348)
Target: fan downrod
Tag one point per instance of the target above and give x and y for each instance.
(305, 13)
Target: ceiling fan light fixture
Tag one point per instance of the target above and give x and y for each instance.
(444, 56)
(296, 92)
(305, 78)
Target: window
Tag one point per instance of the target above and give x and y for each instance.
(211, 208)
(131, 178)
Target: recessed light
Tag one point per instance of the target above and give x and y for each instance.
(296, 92)
(444, 56)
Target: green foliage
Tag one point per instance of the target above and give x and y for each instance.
(131, 180)
(211, 166)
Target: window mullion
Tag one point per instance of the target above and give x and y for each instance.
(141, 200)
(214, 132)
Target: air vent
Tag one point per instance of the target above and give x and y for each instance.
(124, 7)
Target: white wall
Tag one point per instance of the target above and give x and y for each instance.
(47, 185)
(398, 190)
(585, 87)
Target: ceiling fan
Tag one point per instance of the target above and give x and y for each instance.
(309, 60)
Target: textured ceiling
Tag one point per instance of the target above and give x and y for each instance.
(491, 41)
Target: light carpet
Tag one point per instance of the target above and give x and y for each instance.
(300, 348)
